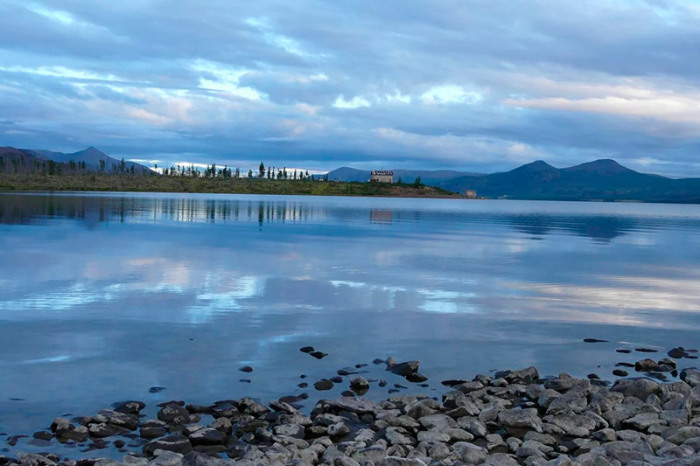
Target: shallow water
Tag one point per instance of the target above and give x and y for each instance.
(103, 296)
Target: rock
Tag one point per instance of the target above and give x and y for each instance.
(199, 459)
(683, 434)
(575, 425)
(373, 454)
(246, 369)
(207, 436)
(165, 458)
(646, 350)
(594, 340)
(323, 384)
(620, 373)
(517, 420)
(318, 354)
(639, 388)
(404, 369)
(66, 431)
(176, 443)
(306, 349)
(153, 428)
(156, 389)
(353, 405)
(524, 376)
(339, 429)
(290, 430)
(644, 365)
(103, 430)
(398, 436)
(424, 407)
(470, 453)
(174, 414)
(677, 353)
(359, 385)
(252, 407)
(691, 377)
(129, 407)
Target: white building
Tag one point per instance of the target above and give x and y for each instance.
(382, 176)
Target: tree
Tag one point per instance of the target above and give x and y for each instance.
(418, 183)
(261, 170)
(250, 173)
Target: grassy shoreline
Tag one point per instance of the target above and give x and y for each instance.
(176, 184)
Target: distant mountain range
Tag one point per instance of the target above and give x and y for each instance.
(429, 177)
(90, 159)
(95, 160)
(603, 180)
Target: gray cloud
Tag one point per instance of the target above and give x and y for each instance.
(464, 85)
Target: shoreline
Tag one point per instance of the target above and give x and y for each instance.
(173, 184)
(507, 418)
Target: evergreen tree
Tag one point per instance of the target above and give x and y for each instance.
(261, 170)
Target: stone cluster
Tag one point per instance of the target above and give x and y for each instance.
(510, 418)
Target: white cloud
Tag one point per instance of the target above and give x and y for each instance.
(225, 80)
(355, 102)
(450, 94)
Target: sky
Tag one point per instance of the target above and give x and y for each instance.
(465, 85)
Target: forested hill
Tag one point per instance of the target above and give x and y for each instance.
(603, 179)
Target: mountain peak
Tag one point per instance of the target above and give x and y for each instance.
(600, 167)
(536, 166)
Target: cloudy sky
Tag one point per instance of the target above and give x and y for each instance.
(470, 85)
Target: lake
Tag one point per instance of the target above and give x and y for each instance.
(105, 296)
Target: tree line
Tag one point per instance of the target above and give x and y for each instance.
(212, 171)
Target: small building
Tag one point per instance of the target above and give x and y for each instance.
(382, 176)
(470, 194)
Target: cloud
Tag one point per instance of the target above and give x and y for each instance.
(318, 83)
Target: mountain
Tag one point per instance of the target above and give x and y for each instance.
(429, 177)
(95, 160)
(19, 160)
(598, 180)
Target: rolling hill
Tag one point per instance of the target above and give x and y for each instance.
(429, 177)
(604, 180)
(93, 158)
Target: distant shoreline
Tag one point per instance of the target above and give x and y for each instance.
(174, 184)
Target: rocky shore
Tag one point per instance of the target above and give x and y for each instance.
(507, 418)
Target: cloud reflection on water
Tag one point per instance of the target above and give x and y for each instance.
(146, 287)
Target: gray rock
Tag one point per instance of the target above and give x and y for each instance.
(166, 458)
(199, 459)
(473, 426)
(33, 459)
(642, 421)
(500, 459)
(398, 437)
(373, 454)
(359, 384)
(404, 369)
(575, 425)
(174, 414)
(433, 436)
(176, 443)
(470, 453)
(103, 430)
(520, 419)
(398, 461)
(422, 408)
(639, 388)
(153, 428)
(437, 421)
(683, 434)
(338, 429)
(352, 404)
(252, 407)
(290, 430)
(691, 377)
(207, 436)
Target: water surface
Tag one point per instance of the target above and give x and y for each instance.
(103, 296)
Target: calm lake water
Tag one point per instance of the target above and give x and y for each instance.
(103, 296)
